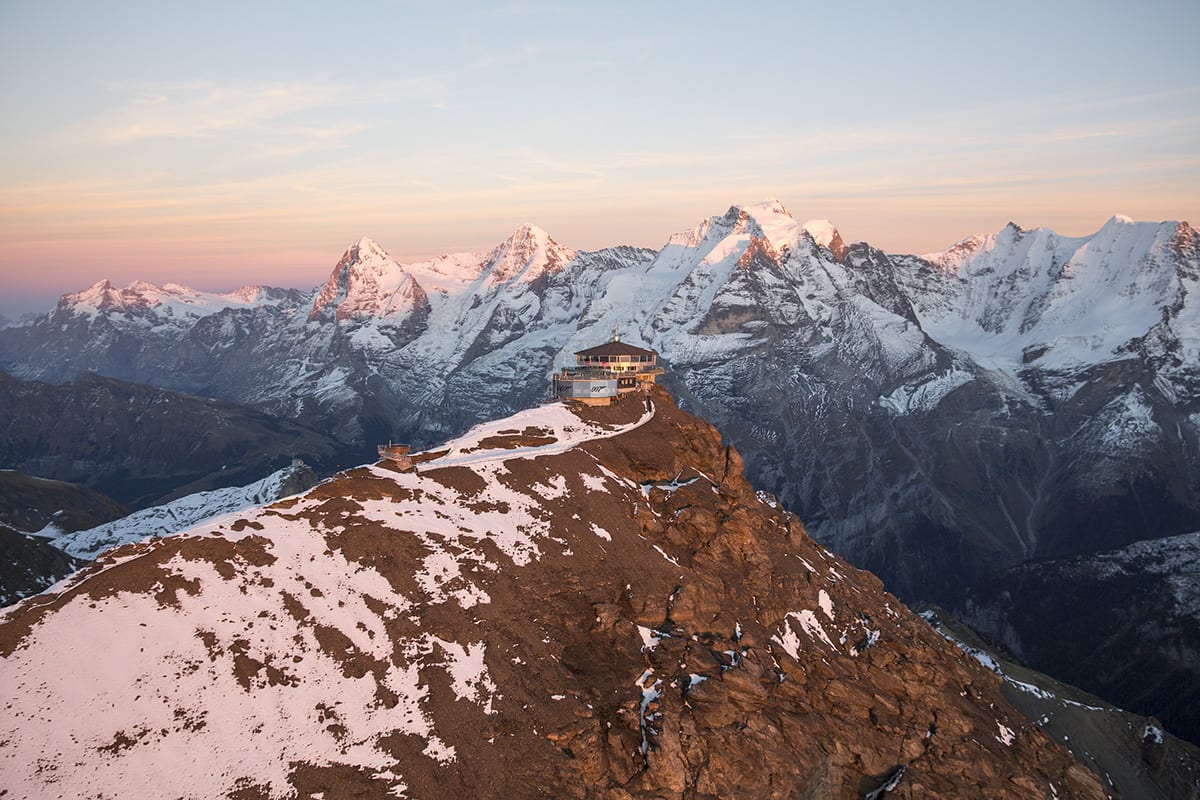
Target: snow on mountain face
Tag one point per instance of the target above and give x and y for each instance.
(367, 283)
(740, 284)
(447, 274)
(548, 603)
(185, 512)
(170, 300)
(527, 255)
(1020, 297)
(825, 234)
(706, 292)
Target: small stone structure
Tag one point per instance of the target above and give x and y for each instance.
(398, 454)
(604, 372)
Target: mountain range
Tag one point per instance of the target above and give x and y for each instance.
(937, 419)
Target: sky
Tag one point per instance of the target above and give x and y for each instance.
(220, 144)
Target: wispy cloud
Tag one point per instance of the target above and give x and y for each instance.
(196, 109)
(525, 9)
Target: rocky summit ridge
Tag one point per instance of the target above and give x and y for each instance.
(564, 603)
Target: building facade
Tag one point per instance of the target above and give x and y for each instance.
(602, 373)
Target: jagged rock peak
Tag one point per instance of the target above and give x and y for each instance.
(101, 294)
(767, 214)
(364, 249)
(953, 257)
(526, 255)
(772, 221)
(367, 282)
(1136, 236)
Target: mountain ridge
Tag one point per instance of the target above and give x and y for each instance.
(642, 624)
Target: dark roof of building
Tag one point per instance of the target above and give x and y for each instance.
(616, 348)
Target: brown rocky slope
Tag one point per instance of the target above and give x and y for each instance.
(559, 605)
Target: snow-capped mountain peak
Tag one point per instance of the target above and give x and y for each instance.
(773, 223)
(953, 257)
(160, 303)
(826, 235)
(368, 282)
(101, 295)
(725, 239)
(527, 254)
(249, 294)
(822, 231)
(145, 288)
(765, 209)
(1021, 296)
(366, 248)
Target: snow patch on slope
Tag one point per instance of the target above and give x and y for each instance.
(925, 395)
(177, 515)
(553, 421)
(151, 715)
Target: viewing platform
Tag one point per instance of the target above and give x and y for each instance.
(604, 372)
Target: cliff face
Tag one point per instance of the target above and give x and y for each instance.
(29, 563)
(143, 446)
(1143, 604)
(560, 604)
(29, 503)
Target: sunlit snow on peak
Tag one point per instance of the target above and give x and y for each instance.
(822, 231)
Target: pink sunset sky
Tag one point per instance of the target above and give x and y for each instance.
(221, 144)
